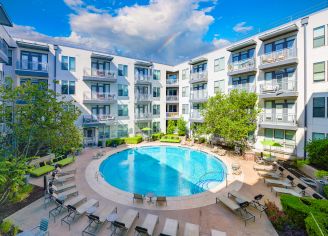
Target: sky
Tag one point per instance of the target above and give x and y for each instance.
(166, 31)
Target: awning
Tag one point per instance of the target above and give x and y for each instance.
(241, 45)
(102, 57)
(34, 46)
(279, 32)
(197, 60)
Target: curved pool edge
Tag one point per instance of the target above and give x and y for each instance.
(99, 185)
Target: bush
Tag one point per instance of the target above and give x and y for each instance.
(156, 136)
(325, 191)
(181, 126)
(114, 141)
(318, 153)
(8, 228)
(170, 127)
(321, 174)
(133, 140)
(277, 217)
(312, 222)
(170, 138)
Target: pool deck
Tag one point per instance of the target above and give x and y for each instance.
(201, 210)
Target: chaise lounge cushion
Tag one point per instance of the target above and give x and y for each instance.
(66, 161)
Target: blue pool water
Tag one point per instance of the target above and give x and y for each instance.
(163, 170)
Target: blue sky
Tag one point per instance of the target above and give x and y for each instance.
(161, 30)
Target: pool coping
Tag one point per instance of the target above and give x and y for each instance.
(103, 188)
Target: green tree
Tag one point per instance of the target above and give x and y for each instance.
(36, 122)
(181, 126)
(317, 151)
(170, 127)
(232, 116)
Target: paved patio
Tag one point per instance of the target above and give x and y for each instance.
(210, 216)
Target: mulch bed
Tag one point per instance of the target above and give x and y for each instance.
(10, 208)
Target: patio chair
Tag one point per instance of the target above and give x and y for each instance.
(124, 224)
(218, 233)
(63, 178)
(63, 195)
(239, 209)
(270, 175)
(170, 228)
(57, 210)
(161, 200)
(298, 191)
(66, 172)
(98, 218)
(148, 226)
(138, 197)
(191, 230)
(74, 212)
(40, 230)
(61, 188)
(287, 183)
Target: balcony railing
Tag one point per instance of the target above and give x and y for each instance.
(198, 77)
(172, 82)
(288, 147)
(99, 96)
(100, 74)
(276, 85)
(26, 65)
(89, 141)
(171, 98)
(243, 87)
(244, 65)
(198, 95)
(278, 56)
(141, 116)
(278, 118)
(172, 114)
(92, 119)
(143, 97)
(139, 78)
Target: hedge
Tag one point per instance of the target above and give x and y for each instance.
(325, 191)
(114, 142)
(133, 140)
(170, 138)
(298, 210)
(156, 136)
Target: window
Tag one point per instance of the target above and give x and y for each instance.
(185, 109)
(319, 36)
(10, 57)
(122, 110)
(68, 63)
(122, 70)
(34, 61)
(184, 73)
(219, 86)
(172, 108)
(122, 90)
(69, 107)
(268, 133)
(279, 134)
(185, 91)
(156, 75)
(316, 136)
(156, 92)
(290, 135)
(219, 64)
(68, 87)
(42, 83)
(199, 68)
(122, 131)
(319, 107)
(319, 71)
(104, 132)
(156, 127)
(156, 109)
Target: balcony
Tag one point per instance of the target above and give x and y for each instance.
(98, 75)
(172, 83)
(287, 147)
(249, 88)
(198, 96)
(143, 97)
(143, 116)
(196, 116)
(172, 115)
(142, 79)
(31, 68)
(283, 57)
(278, 120)
(94, 120)
(172, 99)
(283, 87)
(3, 51)
(198, 77)
(89, 141)
(242, 67)
(99, 98)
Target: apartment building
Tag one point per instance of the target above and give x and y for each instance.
(118, 96)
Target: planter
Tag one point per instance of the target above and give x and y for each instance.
(309, 171)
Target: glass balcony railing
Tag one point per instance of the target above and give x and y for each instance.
(198, 77)
(143, 115)
(172, 114)
(89, 96)
(26, 65)
(243, 65)
(140, 78)
(97, 73)
(276, 85)
(243, 87)
(172, 98)
(196, 114)
(143, 97)
(172, 82)
(278, 56)
(198, 95)
(278, 118)
(91, 119)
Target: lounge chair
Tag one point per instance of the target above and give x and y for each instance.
(265, 167)
(64, 195)
(124, 224)
(40, 230)
(148, 226)
(74, 212)
(270, 175)
(252, 202)
(170, 228)
(191, 230)
(218, 233)
(137, 197)
(98, 218)
(161, 200)
(66, 172)
(64, 178)
(298, 191)
(41, 169)
(239, 209)
(66, 161)
(61, 188)
(75, 200)
(287, 183)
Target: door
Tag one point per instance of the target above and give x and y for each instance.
(279, 112)
(279, 80)
(93, 91)
(291, 112)
(268, 111)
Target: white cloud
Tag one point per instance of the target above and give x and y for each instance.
(163, 30)
(242, 28)
(220, 43)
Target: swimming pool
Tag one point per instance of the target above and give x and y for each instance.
(163, 170)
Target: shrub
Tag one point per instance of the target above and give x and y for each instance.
(277, 217)
(321, 174)
(170, 127)
(316, 224)
(325, 191)
(133, 140)
(170, 139)
(8, 228)
(181, 126)
(114, 141)
(318, 153)
(156, 136)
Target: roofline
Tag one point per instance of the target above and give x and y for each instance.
(10, 23)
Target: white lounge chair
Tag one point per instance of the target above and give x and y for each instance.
(191, 230)
(75, 200)
(63, 178)
(66, 172)
(124, 224)
(280, 183)
(148, 226)
(61, 188)
(298, 191)
(170, 228)
(218, 233)
(269, 175)
(264, 168)
(64, 195)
